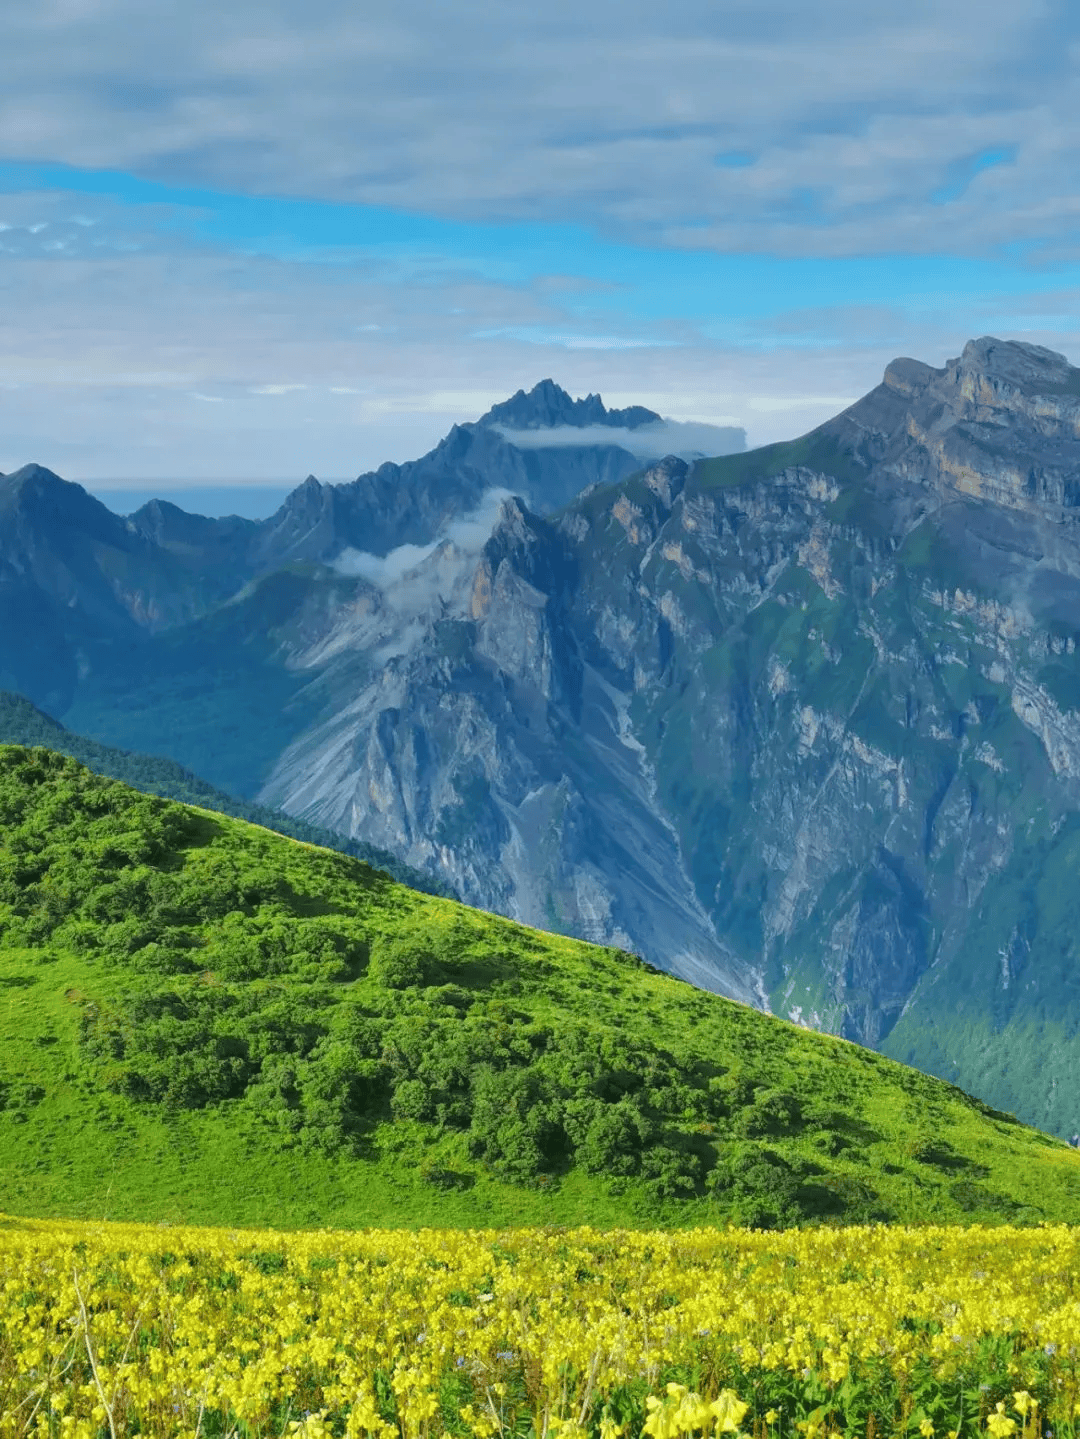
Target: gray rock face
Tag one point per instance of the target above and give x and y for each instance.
(801, 725)
(488, 751)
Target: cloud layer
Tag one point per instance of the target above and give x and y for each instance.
(775, 125)
(310, 236)
(686, 439)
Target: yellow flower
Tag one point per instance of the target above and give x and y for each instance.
(608, 1428)
(926, 1428)
(999, 1424)
(771, 1416)
(728, 1410)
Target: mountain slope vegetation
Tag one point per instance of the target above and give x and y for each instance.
(23, 723)
(208, 1021)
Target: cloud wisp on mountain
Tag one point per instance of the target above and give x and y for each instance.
(409, 577)
(686, 438)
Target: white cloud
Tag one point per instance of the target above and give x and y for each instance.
(687, 439)
(413, 578)
(845, 118)
(107, 349)
(382, 570)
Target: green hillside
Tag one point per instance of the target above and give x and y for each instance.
(23, 723)
(207, 1021)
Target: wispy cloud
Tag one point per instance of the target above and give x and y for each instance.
(413, 578)
(819, 128)
(687, 439)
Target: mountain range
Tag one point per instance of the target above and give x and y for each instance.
(801, 725)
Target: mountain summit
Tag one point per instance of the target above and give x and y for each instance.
(1001, 422)
(548, 405)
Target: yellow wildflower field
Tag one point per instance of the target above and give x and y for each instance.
(117, 1329)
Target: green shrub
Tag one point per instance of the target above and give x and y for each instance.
(516, 1123)
(402, 962)
(765, 1188)
(773, 1113)
(411, 1100)
(613, 1141)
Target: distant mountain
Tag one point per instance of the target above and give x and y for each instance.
(98, 585)
(547, 406)
(412, 503)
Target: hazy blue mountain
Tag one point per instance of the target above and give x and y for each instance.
(254, 501)
(98, 586)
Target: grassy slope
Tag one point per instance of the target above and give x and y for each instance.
(23, 723)
(206, 1021)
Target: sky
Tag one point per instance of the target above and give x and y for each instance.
(253, 241)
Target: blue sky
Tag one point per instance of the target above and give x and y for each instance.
(309, 237)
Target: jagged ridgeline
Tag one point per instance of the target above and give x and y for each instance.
(209, 1021)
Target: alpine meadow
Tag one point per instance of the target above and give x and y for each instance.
(212, 1023)
(539, 720)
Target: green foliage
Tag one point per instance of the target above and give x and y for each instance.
(403, 961)
(249, 1029)
(23, 723)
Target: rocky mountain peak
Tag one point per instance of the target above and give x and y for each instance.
(37, 478)
(986, 364)
(43, 499)
(548, 405)
(178, 529)
(909, 377)
(666, 478)
(1030, 367)
(999, 423)
(512, 524)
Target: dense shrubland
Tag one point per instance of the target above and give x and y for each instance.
(22, 723)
